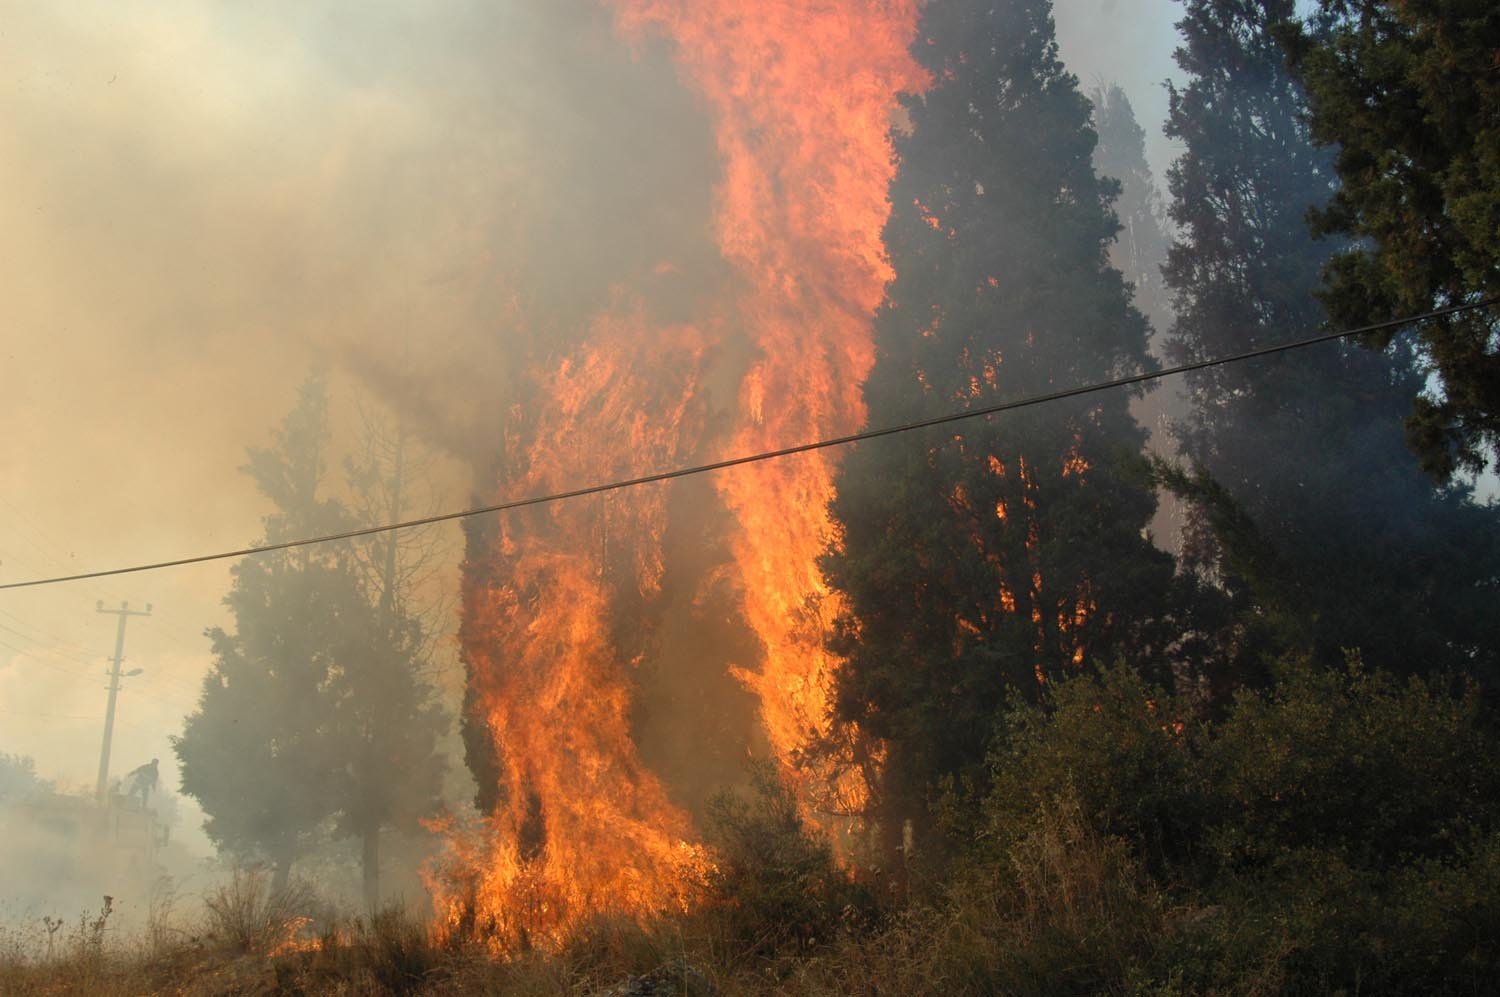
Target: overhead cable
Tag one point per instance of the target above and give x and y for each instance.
(720, 465)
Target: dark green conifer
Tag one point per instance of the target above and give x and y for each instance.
(1408, 95)
(1309, 506)
(996, 554)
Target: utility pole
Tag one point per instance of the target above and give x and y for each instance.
(124, 613)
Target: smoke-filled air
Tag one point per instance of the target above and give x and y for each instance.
(700, 497)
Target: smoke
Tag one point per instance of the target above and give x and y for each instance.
(1129, 44)
(204, 199)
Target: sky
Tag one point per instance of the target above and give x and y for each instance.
(199, 201)
(1129, 42)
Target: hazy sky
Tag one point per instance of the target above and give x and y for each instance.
(199, 200)
(1129, 42)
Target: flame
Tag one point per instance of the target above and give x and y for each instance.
(585, 827)
(1074, 463)
(801, 96)
(1071, 611)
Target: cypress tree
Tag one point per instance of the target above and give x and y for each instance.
(261, 753)
(313, 721)
(998, 554)
(1141, 247)
(1408, 94)
(1309, 508)
(1139, 253)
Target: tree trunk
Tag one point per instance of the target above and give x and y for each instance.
(370, 859)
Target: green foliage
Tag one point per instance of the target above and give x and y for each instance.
(1076, 914)
(312, 719)
(1337, 831)
(975, 559)
(1407, 93)
(1307, 507)
(18, 779)
(1345, 809)
(1058, 909)
(1116, 746)
(1357, 763)
(776, 880)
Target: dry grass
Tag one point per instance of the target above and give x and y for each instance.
(250, 939)
(1064, 898)
(250, 916)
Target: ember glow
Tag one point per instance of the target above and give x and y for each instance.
(801, 97)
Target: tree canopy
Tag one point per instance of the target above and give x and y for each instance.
(999, 555)
(312, 720)
(1309, 507)
(1407, 96)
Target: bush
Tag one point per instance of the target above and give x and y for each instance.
(1354, 820)
(775, 881)
(1341, 830)
(248, 915)
(1378, 771)
(1121, 750)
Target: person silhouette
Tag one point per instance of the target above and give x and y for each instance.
(141, 781)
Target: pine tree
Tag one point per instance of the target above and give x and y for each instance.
(1309, 507)
(998, 554)
(1409, 96)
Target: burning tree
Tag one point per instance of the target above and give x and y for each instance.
(998, 554)
(564, 607)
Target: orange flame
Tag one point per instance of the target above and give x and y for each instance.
(802, 94)
(586, 828)
(801, 98)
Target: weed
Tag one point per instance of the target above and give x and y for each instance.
(248, 915)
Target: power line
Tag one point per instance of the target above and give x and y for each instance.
(41, 657)
(720, 465)
(50, 658)
(53, 716)
(53, 551)
(70, 652)
(72, 646)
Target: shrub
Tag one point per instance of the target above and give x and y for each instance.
(775, 880)
(248, 915)
(1354, 762)
(1121, 750)
(1339, 831)
(1353, 825)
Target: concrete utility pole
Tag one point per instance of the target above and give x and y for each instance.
(124, 613)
